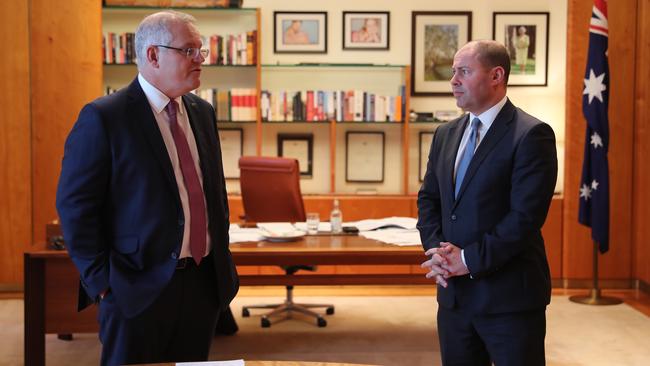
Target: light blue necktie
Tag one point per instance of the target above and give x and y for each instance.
(466, 158)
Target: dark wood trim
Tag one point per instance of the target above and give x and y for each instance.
(644, 286)
(34, 311)
(334, 279)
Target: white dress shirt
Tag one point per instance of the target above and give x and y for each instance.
(486, 118)
(158, 101)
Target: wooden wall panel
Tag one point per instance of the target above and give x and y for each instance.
(641, 191)
(15, 159)
(66, 46)
(578, 247)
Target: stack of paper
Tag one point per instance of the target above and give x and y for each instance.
(373, 224)
(238, 234)
(276, 228)
(322, 226)
(401, 237)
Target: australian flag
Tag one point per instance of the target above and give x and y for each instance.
(594, 187)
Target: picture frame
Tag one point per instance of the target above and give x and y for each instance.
(525, 35)
(299, 32)
(364, 156)
(300, 147)
(425, 144)
(435, 38)
(232, 148)
(366, 30)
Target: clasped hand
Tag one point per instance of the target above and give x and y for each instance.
(445, 262)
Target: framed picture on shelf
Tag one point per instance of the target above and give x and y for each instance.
(366, 30)
(425, 144)
(232, 148)
(299, 32)
(526, 38)
(435, 38)
(364, 156)
(300, 147)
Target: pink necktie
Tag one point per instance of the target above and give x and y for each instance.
(192, 184)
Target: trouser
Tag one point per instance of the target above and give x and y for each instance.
(177, 327)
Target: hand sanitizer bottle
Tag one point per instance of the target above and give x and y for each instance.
(336, 218)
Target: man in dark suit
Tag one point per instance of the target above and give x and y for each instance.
(143, 205)
(486, 193)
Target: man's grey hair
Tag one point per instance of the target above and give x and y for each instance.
(154, 29)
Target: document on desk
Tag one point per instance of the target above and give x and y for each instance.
(401, 237)
(277, 228)
(394, 221)
(213, 363)
(238, 234)
(322, 226)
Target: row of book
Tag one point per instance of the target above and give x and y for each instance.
(233, 49)
(326, 105)
(236, 104)
(240, 105)
(230, 49)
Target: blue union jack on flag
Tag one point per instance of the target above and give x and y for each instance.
(594, 186)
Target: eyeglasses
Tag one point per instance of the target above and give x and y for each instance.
(188, 52)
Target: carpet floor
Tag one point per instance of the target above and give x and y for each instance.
(379, 330)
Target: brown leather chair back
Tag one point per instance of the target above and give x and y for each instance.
(270, 189)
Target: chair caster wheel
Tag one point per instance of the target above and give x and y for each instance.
(321, 322)
(245, 313)
(266, 323)
(330, 310)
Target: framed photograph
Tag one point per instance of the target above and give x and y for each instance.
(298, 146)
(425, 144)
(435, 38)
(232, 148)
(526, 37)
(364, 157)
(368, 30)
(299, 32)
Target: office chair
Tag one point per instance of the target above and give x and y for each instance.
(270, 190)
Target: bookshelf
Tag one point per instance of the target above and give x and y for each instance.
(382, 82)
(331, 127)
(225, 22)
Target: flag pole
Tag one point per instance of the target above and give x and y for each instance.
(594, 298)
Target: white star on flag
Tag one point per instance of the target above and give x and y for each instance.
(585, 192)
(594, 86)
(594, 185)
(596, 140)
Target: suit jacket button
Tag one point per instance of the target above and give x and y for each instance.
(181, 222)
(453, 217)
(174, 255)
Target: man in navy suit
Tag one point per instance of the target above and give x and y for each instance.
(486, 193)
(143, 205)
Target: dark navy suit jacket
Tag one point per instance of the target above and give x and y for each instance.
(119, 205)
(498, 214)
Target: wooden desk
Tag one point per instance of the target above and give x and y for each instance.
(328, 250)
(51, 280)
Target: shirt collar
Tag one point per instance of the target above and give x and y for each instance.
(157, 99)
(490, 115)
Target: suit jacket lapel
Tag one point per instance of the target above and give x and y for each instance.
(143, 117)
(493, 136)
(455, 135)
